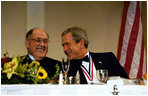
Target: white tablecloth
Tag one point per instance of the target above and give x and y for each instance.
(47, 89)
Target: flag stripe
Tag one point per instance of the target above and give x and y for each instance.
(132, 41)
(136, 58)
(141, 60)
(124, 13)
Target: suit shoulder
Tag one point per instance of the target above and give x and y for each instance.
(51, 59)
(102, 53)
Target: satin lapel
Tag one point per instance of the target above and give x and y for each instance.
(94, 60)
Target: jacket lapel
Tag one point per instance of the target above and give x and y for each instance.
(98, 61)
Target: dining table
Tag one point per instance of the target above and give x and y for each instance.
(112, 87)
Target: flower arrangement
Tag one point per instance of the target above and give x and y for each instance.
(13, 71)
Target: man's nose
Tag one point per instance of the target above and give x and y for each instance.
(42, 43)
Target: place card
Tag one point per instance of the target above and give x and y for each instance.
(114, 86)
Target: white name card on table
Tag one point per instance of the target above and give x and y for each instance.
(115, 85)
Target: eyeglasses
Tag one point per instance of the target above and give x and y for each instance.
(39, 40)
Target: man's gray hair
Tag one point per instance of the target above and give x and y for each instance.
(78, 34)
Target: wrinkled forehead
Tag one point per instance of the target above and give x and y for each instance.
(39, 33)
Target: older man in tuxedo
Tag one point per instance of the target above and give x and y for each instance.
(75, 43)
(37, 46)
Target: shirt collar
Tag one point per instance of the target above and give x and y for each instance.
(87, 54)
(31, 57)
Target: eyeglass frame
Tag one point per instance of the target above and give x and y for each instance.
(39, 40)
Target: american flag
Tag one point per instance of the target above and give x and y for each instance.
(131, 52)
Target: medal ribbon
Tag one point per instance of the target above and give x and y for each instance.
(89, 73)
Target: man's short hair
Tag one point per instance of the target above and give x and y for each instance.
(78, 34)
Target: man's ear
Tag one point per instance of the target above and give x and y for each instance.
(82, 43)
(27, 44)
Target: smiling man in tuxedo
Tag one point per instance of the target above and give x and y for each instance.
(75, 43)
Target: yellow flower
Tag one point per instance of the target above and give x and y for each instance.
(36, 62)
(41, 74)
(10, 67)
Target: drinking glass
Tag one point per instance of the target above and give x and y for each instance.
(102, 75)
(71, 80)
(65, 68)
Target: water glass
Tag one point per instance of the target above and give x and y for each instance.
(71, 80)
(102, 75)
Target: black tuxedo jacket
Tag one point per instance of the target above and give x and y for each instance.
(47, 63)
(101, 61)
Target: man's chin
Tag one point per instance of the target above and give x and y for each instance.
(40, 57)
(69, 57)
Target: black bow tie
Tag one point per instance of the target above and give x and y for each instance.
(86, 59)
